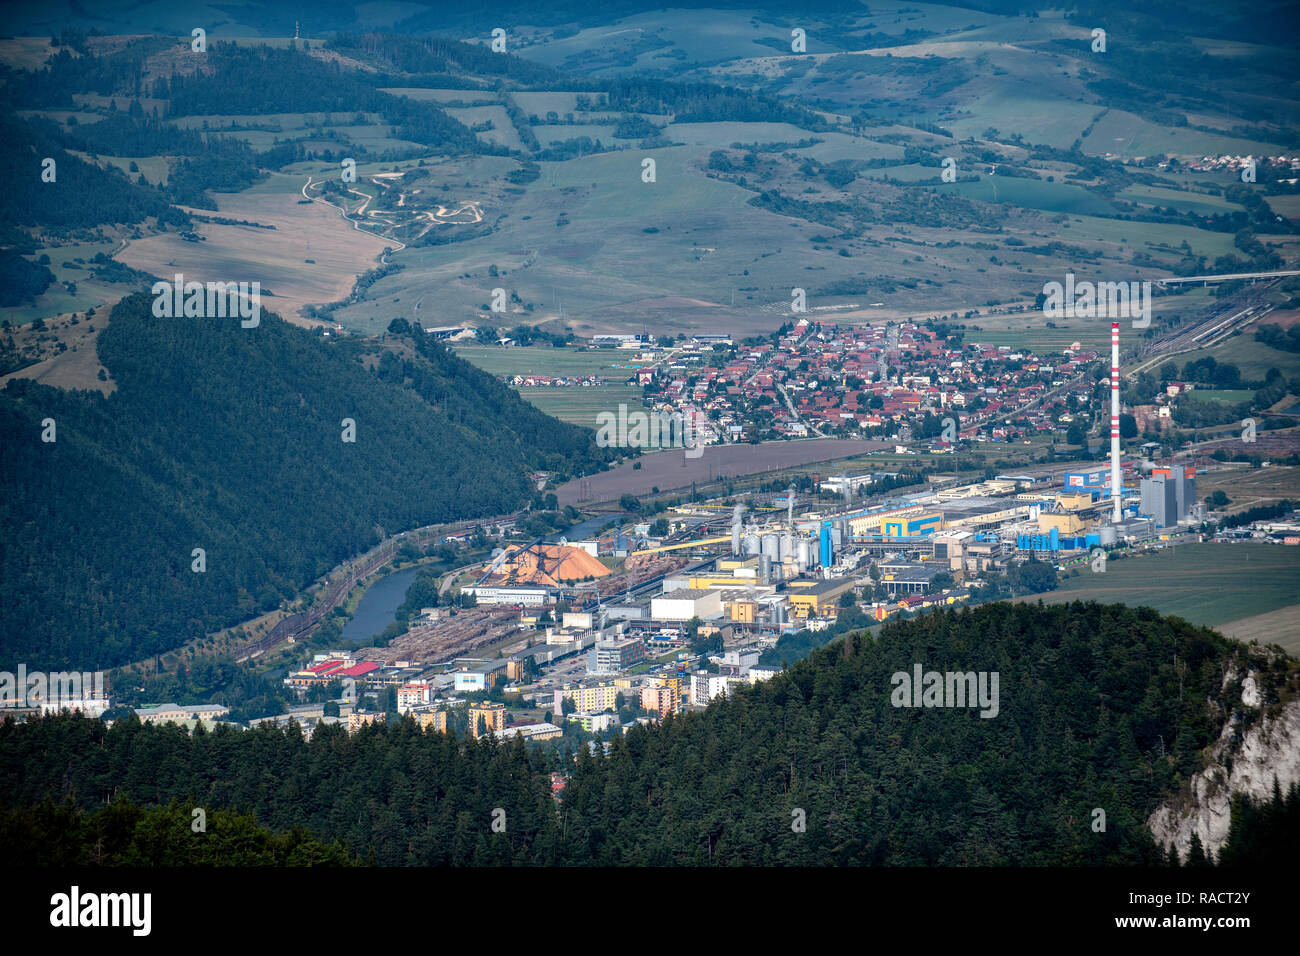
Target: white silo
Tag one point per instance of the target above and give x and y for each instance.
(772, 547)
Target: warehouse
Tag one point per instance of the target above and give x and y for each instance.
(915, 579)
(814, 598)
(686, 603)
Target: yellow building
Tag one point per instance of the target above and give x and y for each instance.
(749, 563)
(492, 715)
(357, 721)
(587, 700)
(705, 582)
(1073, 501)
(811, 598)
(433, 720)
(743, 611)
(1064, 523)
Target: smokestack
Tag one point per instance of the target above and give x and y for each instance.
(1114, 422)
(735, 527)
(790, 506)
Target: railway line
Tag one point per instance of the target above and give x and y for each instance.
(303, 623)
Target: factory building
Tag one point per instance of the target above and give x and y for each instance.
(972, 514)
(1054, 541)
(911, 579)
(1160, 501)
(686, 603)
(869, 522)
(913, 526)
(611, 657)
(813, 598)
(1096, 481)
(966, 550)
(538, 731)
(525, 597)
(1184, 479)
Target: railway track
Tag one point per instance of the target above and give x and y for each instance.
(303, 623)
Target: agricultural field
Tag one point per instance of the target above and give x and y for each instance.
(1030, 194)
(590, 243)
(1228, 396)
(617, 365)
(1159, 197)
(503, 130)
(582, 406)
(1127, 135)
(1253, 358)
(578, 405)
(1248, 487)
(1150, 237)
(276, 258)
(671, 470)
(58, 299)
(1205, 583)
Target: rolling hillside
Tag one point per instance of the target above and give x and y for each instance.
(232, 440)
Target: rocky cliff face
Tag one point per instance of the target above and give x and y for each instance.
(1254, 747)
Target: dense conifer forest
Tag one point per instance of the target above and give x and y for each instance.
(1100, 706)
(122, 834)
(231, 440)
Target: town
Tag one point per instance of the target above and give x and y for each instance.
(572, 641)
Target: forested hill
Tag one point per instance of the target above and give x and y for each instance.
(1099, 707)
(231, 440)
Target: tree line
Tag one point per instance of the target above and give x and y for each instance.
(1099, 706)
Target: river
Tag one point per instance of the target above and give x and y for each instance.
(378, 604)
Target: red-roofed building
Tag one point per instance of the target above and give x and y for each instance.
(357, 670)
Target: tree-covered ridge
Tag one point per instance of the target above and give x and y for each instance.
(254, 80)
(82, 194)
(439, 56)
(697, 102)
(122, 834)
(1100, 707)
(231, 440)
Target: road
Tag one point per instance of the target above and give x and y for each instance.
(398, 245)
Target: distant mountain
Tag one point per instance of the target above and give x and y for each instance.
(231, 440)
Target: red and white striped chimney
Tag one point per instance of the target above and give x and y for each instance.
(1114, 422)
